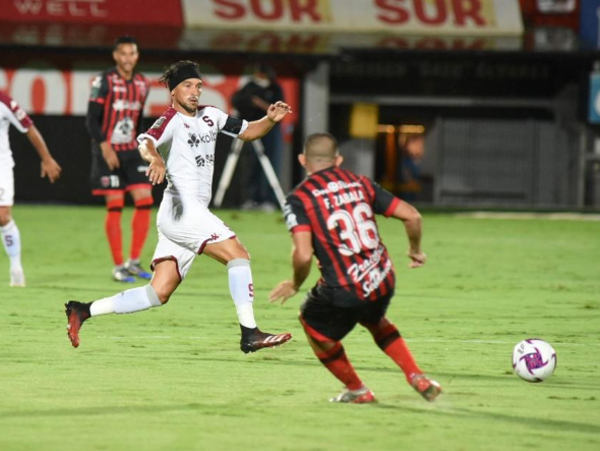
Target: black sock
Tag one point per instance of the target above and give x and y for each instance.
(247, 331)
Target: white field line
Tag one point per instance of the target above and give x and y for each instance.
(409, 340)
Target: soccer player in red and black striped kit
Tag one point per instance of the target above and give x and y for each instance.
(332, 214)
(114, 119)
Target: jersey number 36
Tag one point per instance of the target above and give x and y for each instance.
(357, 231)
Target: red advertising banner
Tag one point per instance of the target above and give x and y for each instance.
(145, 12)
(81, 23)
(80, 35)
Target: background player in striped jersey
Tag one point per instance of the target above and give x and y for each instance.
(11, 113)
(186, 136)
(331, 214)
(114, 119)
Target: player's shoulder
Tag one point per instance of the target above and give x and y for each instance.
(5, 99)
(11, 105)
(141, 77)
(164, 119)
(301, 193)
(141, 82)
(209, 109)
(102, 78)
(353, 178)
(293, 201)
(346, 173)
(107, 73)
(169, 113)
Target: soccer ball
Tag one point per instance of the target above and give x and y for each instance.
(534, 360)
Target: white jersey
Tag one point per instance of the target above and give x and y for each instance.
(10, 113)
(187, 144)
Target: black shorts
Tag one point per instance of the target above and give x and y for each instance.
(130, 175)
(333, 312)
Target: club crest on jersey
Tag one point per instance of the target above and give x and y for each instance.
(109, 181)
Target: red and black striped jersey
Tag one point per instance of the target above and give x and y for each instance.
(115, 110)
(338, 207)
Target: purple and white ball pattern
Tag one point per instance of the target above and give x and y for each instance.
(534, 360)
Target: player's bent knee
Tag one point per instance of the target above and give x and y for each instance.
(163, 293)
(153, 297)
(163, 290)
(226, 251)
(235, 250)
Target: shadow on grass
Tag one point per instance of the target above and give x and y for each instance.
(225, 411)
(476, 415)
(280, 360)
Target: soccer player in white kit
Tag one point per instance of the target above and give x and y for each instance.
(11, 113)
(181, 147)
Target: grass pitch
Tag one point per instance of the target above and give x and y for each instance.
(173, 378)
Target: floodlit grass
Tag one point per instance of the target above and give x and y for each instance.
(173, 378)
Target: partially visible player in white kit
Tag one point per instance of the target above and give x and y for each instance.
(185, 135)
(11, 113)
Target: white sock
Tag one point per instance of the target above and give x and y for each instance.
(129, 301)
(242, 290)
(11, 238)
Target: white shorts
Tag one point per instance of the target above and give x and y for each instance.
(7, 186)
(184, 229)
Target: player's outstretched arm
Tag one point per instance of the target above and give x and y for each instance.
(413, 225)
(257, 129)
(156, 170)
(49, 167)
(301, 261)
